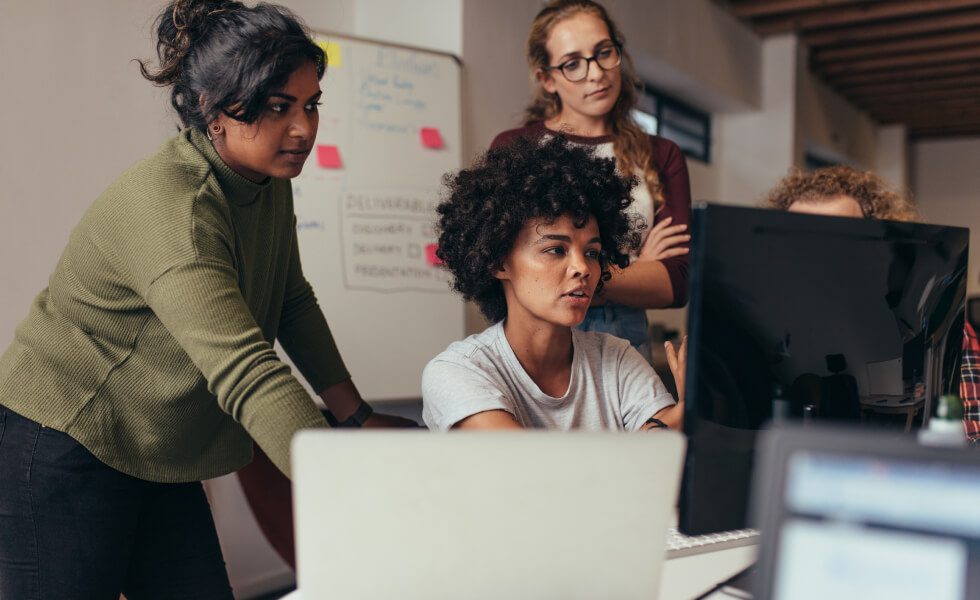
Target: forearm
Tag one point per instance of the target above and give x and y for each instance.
(341, 399)
(672, 417)
(643, 284)
(489, 419)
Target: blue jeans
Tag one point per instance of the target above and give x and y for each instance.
(73, 528)
(621, 321)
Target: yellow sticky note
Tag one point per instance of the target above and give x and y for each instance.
(332, 50)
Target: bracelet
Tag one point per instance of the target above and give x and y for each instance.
(357, 419)
(657, 423)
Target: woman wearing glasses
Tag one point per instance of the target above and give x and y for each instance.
(584, 88)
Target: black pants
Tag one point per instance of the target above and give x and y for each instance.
(73, 528)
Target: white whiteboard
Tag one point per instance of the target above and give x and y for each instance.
(364, 227)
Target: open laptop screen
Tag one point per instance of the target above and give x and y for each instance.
(852, 515)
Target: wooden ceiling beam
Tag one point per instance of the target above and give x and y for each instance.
(933, 97)
(929, 43)
(867, 32)
(900, 62)
(917, 74)
(928, 118)
(938, 86)
(914, 106)
(925, 133)
(766, 8)
(921, 118)
(911, 62)
(852, 15)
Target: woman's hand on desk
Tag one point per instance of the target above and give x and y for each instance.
(380, 421)
(343, 399)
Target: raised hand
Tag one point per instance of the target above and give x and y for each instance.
(677, 361)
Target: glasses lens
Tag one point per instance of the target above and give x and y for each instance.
(608, 58)
(575, 69)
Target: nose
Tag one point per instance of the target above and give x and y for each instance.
(304, 125)
(579, 265)
(594, 72)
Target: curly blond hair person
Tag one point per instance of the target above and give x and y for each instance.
(841, 191)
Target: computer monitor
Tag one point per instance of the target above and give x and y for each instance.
(863, 514)
(801, 316)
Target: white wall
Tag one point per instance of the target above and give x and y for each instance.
(831, 125)
(756, 148)
(892, 156)
(431, 24)
(74, 114)
(715, 65)
(946, 186)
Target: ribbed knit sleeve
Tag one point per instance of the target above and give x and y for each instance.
(200, 306)
(304, 333)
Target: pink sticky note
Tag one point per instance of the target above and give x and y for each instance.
(328, 157)
(431, 137)
(430, 255)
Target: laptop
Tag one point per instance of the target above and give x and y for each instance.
(848, 513)
(528, 514)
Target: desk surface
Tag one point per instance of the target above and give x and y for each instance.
(686, 577)
(690, 576)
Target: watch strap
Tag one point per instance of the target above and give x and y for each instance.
(357, 419)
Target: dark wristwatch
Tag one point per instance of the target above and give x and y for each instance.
(357, 419)
(657, 423)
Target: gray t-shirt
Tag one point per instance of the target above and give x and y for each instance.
(612, 387)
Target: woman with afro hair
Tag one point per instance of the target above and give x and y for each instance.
(530, 233)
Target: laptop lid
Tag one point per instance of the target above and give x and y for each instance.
(532, 514)
(849, 513)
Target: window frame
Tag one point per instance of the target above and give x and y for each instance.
(661, 101)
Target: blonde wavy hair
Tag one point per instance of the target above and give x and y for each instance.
(630, 144)
(876, 197)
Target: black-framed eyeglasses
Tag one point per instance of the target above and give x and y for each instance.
(576, 69)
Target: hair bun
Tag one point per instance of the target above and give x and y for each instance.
(191, 15)
(178, 28)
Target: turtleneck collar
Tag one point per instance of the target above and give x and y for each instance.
(237, 189)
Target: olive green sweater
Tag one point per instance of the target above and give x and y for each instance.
(152, 344)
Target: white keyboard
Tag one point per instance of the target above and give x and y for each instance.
(679, 544)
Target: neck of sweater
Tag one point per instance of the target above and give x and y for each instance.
(237, 189)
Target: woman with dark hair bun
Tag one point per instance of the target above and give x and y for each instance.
(147, 364)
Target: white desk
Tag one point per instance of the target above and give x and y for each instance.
(690, 576)
(686, 577)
